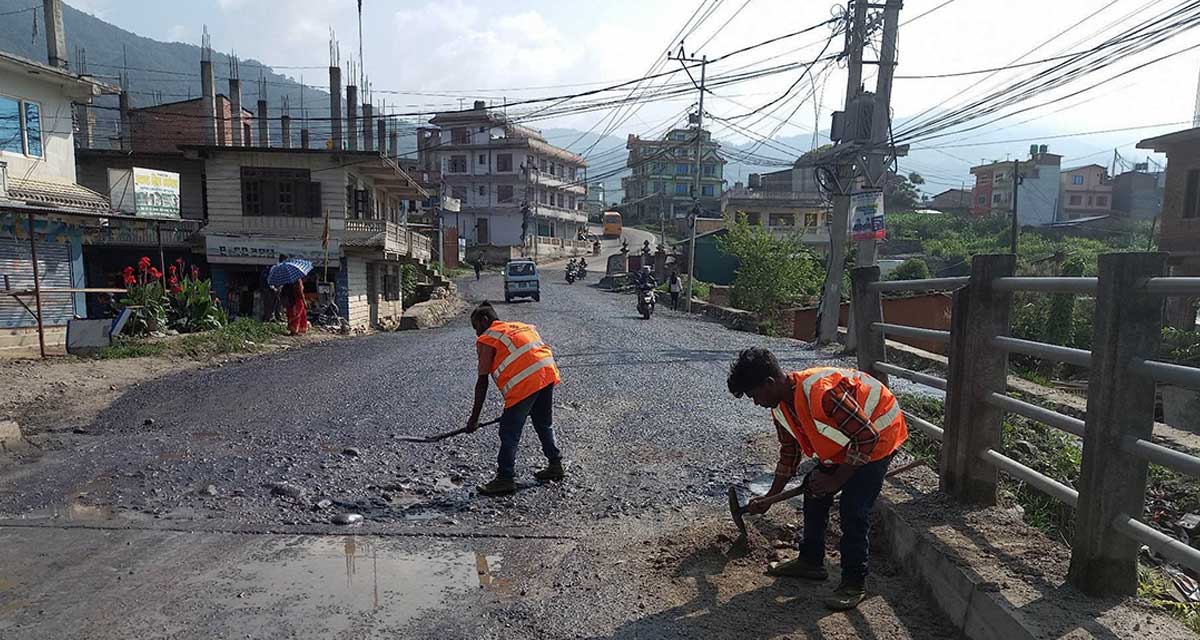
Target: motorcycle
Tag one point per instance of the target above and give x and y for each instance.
(572, 272)
(646, 302)
(581, 271)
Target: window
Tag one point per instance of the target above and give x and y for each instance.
(1075, 201)
(982, 199)
(458, 164)
(710, 170)
(482, 159)
(810, 220)
(482, 190)
(545, 166)
(504, 193)
(268, 191)
(459, 136)
(20, 127)
(504, 162)
(681, 152)
(706, 190)
(570, 202)
(681, 169)
(781, 220)
(659, 167)
(681, 188)
(658, 186)
(679, 135)
(574, 172)
(1101, 201)
(1089, 201)
(1076, 179)
(541, 196)
(1191, 208)
(560, 201)
(997, 198)
(458, 193)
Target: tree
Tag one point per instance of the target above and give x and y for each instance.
(772, 272)
(902, 194)
(911, 269)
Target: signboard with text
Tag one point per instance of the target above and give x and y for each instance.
(225, 249)
(146, 193)
(866, 216)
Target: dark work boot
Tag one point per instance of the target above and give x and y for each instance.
(553, 471)
(498, 486)
(847, 596)
(798, 568)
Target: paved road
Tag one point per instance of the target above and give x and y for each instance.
(195, 506)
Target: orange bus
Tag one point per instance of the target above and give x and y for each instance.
(612, 224)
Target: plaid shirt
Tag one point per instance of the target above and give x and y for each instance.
(843, 408)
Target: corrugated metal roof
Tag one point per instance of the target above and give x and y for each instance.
(55, 193)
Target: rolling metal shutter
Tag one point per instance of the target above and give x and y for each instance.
(54, 269)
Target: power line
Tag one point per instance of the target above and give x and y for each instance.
(922, 15)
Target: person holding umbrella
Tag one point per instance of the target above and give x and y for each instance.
(289, 277)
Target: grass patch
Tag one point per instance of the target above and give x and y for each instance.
(1155, 588)
(131, 348)
(243, 335)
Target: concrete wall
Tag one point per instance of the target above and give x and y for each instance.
(165, 127)
(1179, 235)
(224, 180)
(929, 311)
(58, 140)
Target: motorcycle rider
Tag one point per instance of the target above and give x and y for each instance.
(645, 281)
(582, 267)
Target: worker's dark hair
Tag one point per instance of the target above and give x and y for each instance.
(752, 368)
(484, 312)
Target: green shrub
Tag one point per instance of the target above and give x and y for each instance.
(192, 307)
(771, 271)
(911, 269)
(124, 347)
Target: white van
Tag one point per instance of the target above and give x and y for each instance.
(521, 280)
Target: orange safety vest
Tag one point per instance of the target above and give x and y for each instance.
(523, 364)
(818, 434)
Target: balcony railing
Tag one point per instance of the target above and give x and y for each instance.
(396, 238)
(747, 194)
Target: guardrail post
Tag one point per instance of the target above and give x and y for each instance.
(1127, 327)
(866, 308)
(977, 369)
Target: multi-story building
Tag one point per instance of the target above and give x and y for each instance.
(1086, 192)
(1179, 225)
(1138, 194)
(663, 173)
(1038, 190)
(38, 189)
(772, 201)
(595, 203)
(519, 194)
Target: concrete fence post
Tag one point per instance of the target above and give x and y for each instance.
(977, 369)
(866, 308)
(1127, 327)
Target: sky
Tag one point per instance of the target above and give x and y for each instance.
(498, 51)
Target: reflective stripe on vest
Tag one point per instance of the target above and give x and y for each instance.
(528, 371)
(884, 421)
(517, 353)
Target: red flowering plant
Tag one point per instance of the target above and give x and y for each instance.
(144, 297)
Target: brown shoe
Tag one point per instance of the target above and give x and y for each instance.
(798, 568)
(845, 597)
(498, 486)
(553, 471)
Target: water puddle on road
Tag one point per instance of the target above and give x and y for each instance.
(10, 437)
(74, 512)
(349, 579)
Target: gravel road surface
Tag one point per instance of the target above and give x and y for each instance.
(205, 504)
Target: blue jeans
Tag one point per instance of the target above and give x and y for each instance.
(857, 497)
(539, 407)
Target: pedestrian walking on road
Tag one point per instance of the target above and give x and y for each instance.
(853, 425)
(523, 366)
(676, 288)
(478, 269)
(297, 310)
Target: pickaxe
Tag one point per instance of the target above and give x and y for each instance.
(442, 436)
(738, 511)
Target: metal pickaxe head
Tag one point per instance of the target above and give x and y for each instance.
(737, 511)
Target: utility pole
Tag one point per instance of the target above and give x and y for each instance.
(843, 173)
(876, 171)
(695, 215)
(1016, 227)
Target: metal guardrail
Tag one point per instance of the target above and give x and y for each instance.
(1173, 286)
(912, 332)
(915, 376)
(928, 428)
(1077, 357)
(1073, 426)
(1047, 285)
(1172, 373)
(1050, 486)
(979, 352)
(925, 284)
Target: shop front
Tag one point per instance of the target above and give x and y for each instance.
(239, 265)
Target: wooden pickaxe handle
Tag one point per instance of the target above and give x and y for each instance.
(792, 493)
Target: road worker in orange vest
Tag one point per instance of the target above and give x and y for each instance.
(852, 424)
(513, 354)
